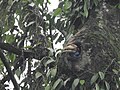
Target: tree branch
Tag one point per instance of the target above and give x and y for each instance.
(10, 48)
(13, 49)
(10, 73)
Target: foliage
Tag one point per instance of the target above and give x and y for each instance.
(27, 33)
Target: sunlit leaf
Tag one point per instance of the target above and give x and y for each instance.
(1, 64)
(12, 57)
(102, 75)
(107, 85)
(115, 71)
(58, 82)
(94, 78)
(30, 23)
(47, 87)
(118, 62)
(48, 74)
(28, 47)
(58, 11)
(40, 2)
(75, 83)
(53, 71)
(85, 9)
(67, 80)
(82, 82)
(49, 61)
(49, 1)
(67, 5)
(97, 87)
(10, 38)
(18, 72)
(38, 74)
(10, 2)
(119, 6)
(95, 2)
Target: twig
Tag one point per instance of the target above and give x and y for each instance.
(10, 73)
(110, 65)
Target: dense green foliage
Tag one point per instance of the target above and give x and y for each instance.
(28, 32)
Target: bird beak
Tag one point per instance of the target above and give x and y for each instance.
(70, 48)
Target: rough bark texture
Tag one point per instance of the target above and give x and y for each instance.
(94, 48)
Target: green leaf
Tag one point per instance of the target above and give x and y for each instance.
(82, 13)
(85, 9)
(97, 87)
(75, 83)
(49, 61)
(48, 74)
(38, 74)
(118, 62)
(95, 2)
(12, 57)
(18, 72)
(10, 38)
(94, 78)
(11, 21)
(53, 71)
(58, 11)
(82, 82)
(56, 84)
(10, 2)
(40, 2)
(48, 1)
(119, 6)
(115, 71)
(28, 47)
(67, 5)
(47, 87)
(67, 80)
(61, 4)
(102, 75)
(107, 85)
(1, 64)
